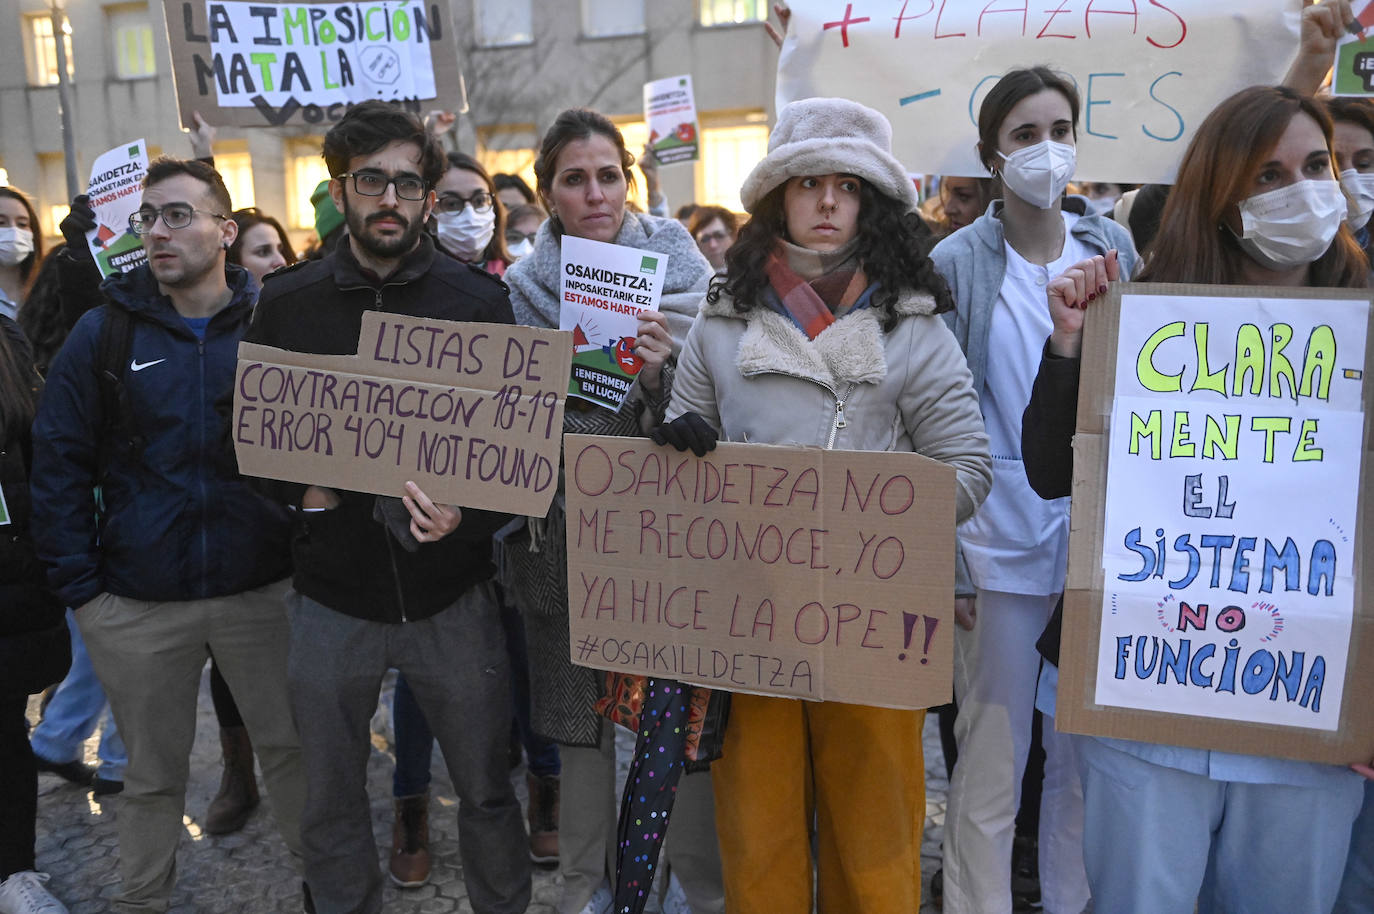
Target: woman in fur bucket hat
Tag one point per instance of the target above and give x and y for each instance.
(824, 332)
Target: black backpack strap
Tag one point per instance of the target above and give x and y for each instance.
(119, 433)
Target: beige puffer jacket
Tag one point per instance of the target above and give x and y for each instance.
(757, 378)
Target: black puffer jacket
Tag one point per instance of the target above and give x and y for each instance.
(345, 559)
(35, 648)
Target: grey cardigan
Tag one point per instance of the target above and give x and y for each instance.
(974, 262)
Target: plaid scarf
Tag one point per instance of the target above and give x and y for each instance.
(814, 289)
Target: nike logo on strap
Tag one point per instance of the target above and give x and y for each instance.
(136, 365)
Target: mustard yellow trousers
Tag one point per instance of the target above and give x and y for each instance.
(852, 773)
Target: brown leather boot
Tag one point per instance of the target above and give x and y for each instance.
(543, 818)
(238, 788)
(410, 842)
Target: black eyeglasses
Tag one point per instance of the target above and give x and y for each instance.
(174, 216)
(514, 237)
(374, 184)
(708, 237)
(481, 202)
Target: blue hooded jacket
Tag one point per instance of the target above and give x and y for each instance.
(177, 522)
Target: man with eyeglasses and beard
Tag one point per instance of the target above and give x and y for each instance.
(397, 582)
(177, 555)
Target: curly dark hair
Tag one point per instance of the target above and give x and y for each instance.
(894, 247)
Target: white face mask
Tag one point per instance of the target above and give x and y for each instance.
(1038, 174)
(1292, 226)
(1359, 192)
(15, 244)
(523, 249)
(466, 234)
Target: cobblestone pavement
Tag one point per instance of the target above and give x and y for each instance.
(250, 872)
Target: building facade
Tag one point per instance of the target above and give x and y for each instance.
(523, 61)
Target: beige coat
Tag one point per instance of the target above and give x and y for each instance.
(757, 378)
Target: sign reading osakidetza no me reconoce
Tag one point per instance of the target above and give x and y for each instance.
(758, 568)
(472, 413)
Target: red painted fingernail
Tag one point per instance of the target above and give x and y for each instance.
(1102, 289)
(1092, 295)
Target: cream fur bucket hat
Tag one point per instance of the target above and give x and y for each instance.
(822, 136)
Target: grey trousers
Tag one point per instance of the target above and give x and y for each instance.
(455, 663)
(588, 819)
(150, 657)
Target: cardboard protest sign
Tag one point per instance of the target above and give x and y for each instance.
(775, 570)
(671, 115)
(1353, 71)
(472, 413)
(1148, 73)
(1221, 528)
(116, 189)
(605, 287)
(269, 63)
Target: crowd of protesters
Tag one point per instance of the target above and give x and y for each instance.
(137, 552)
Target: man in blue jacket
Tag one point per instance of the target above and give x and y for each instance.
(178, 554)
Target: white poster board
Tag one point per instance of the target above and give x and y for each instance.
(1148, 72)
(273, 63)
(605, 287)
(115, 191)
(670, 111)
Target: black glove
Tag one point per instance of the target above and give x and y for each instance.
(79, 221)
(393, 514)
(687, 432)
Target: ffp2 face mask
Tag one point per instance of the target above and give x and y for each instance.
(1039, 174)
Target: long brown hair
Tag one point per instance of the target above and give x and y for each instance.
(27, 265)
(248, 217)
(1217, 174)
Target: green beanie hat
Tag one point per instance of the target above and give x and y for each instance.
(327, 215)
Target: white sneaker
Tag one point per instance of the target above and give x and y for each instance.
(23, 893)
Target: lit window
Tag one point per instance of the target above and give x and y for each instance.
(131, 38)
(731, 12)
(728, 154)
(305, 169)
(236, 168)
(604, 18)
(636, 134)
(41, 50)
(508, 150)
(56, 213)
(50, 190)
(503, 22)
